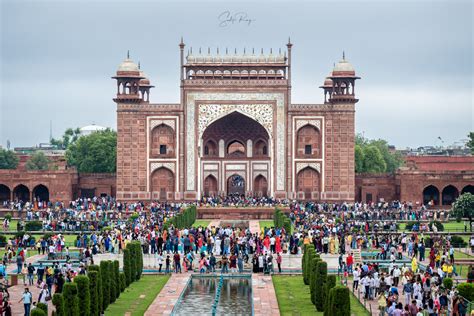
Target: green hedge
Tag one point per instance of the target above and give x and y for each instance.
(313, 278)
(83, 293)
(339, 301)
(466, 290)
(33, 225)
(71, 300)
(458, 242)
(127, 266)
(438, 225)
(113, 282)
(58, 303)
(115, 265)
(281, 220)
(321, 276)
(123, 284)
(448, 283)
(43, 307)
(38, 312)
(184, 219)
(330, 283)
(100, 289)
(94, 292)
(104, 274)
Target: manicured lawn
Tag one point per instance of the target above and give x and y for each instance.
(454, 226)
(462, 270)
(294, 297)
(138, 296)
(201, 222)
(266, 223)
(461, 255)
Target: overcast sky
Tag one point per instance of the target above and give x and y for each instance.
(414, 57)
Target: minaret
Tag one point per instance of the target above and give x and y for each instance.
(144, 86)
(128, 78)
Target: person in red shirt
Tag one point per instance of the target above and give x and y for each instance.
(349, 262)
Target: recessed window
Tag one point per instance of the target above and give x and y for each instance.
(206, 150)
(162, 149)
(307, 150)
(265, 150)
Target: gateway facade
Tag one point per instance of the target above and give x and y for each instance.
(235, 131)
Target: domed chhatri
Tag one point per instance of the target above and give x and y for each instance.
(343, 68)
(128, 68)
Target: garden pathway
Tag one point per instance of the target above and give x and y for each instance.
(264, 297)
(169, 295)
(254, 226)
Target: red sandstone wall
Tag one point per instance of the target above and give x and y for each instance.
(379, 186)
(102, 183)
(440, 163)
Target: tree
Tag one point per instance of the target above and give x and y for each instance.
(330, 283)
(104, 273)
(96, 152)
(464, 206)
(123, 284)
(8, 159)
(393, 160)
(115, 265)
(359, 159)
(373, 160)
(100, 290)
(321, 276)
(71, 300)
(339, 301)
(470, 143)
(38, 161)
(83, 293)
(58, 303)
(127, 266)
(114, 287)
(70, 137)
(94, 292)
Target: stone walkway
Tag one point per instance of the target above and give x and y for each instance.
(169, 295)
(254, 226)
(17, 290)
(264, 296)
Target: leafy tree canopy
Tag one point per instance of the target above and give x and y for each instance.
(470, 143)
(464, 206)
(38, 161)
(70, 137)
(8, 159)
(96, 152)
(368, 153)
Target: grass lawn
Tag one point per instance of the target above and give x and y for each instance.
(461, 255)
(462, 270)
(294, 297)
(138, 296)
(266, 223)
(201, 222)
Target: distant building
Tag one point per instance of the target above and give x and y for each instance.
(89, 129)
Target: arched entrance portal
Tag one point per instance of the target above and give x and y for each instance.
(210, 186)
(21, 193)
(468, 189)
(4, 193)
(308, 182)
(162, 182)
(431, 194)
(260, 186)
(450, 193)
(235, 185)
(41, 193)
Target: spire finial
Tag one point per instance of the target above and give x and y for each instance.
(208, 50)
(182, 40)
(343, 55)
(235, 50)
(191, 50)
(279, 51)
(289, 40)
(138, 64)
(199, 50)
(128, 54)
(244, 50)
(261, 51)
(334, 64)
(253, 50)
(217, 50)
(226, 51)
(271, 50)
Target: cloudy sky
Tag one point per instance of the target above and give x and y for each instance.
(414, 57)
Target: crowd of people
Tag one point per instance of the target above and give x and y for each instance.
(338, 229)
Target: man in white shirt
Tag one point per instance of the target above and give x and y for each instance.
(356, 275)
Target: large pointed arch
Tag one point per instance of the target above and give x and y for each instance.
(308, 181)
(4, 193)
(41, 193)
(21, 193)
(162, 183)
(449, 194)
(431, 195)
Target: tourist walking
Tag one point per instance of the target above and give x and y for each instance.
(27, 298)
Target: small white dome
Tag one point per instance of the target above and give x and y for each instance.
(344, 66)
(127, 65)
(86, 130)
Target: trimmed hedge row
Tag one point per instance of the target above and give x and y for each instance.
(96, 291)
(281, 220)
(315, 274)
(184, 219)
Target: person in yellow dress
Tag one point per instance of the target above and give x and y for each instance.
(414, 264)
(331, 245)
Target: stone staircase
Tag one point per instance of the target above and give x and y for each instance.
(357, 256)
